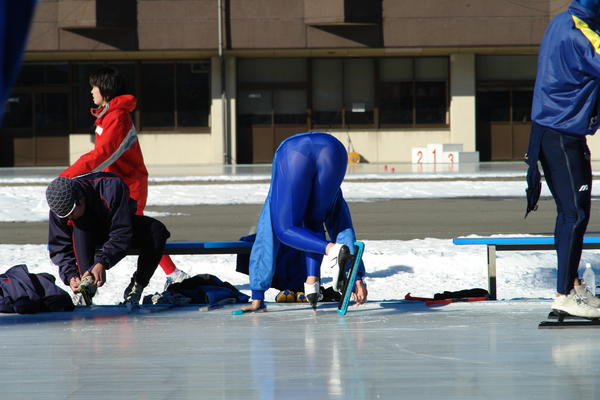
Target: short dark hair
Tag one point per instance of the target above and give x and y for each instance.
(109, 81)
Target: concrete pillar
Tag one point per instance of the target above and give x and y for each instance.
(462, 100)
(231, 79)
(216, 111)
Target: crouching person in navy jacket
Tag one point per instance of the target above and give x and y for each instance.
(93, 223)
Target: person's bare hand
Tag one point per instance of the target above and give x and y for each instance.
(360, 294)
(98, 272)
(74, 284)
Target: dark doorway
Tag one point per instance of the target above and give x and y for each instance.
(503, 121)
(265, 118)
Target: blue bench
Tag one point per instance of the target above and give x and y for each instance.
(516, 244)
(232, 247)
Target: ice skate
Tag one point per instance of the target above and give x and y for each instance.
(313, 293)
(575, 305)
(87, 290)
(336, 261)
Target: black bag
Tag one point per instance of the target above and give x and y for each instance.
(461, 294)
(25, 293)
(207, 289)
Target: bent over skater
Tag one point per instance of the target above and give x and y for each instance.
(305, 200)
(93, 222)
(566, 107)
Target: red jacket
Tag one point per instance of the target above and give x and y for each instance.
(117, 149)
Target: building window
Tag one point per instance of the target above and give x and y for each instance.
(157, 102)
(171, 95)
(327, 92)
(413, 91)
(272, 91)
(343, 92)
(179, 96)
(193, 93)
(359, 91)
(367, 92)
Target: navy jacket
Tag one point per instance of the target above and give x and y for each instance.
(108, 215)
(25, 293)
(567, 87)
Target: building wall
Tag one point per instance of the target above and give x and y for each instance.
(390, 146)
(172, 29)
(160, 148)
(72, 25)
(458, 23)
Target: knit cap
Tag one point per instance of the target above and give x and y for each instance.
(62, 195)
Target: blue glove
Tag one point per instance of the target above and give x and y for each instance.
(347, 238)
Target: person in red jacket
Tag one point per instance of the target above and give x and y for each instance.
(116, 147)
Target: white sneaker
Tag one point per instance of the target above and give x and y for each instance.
(313, 293)
(176, 277)
(336, 261)
(575, 305)
(585, 292)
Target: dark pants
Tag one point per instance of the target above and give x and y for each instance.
(565, 160)
(149, 235)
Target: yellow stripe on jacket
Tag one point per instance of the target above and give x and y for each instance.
(588, 32)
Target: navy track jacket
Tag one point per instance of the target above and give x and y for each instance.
(567, 88)
(108, 216)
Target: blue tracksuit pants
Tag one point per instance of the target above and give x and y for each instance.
(565, 159)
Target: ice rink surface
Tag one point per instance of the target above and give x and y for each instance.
(383, 350)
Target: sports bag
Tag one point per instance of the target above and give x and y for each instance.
(25, 293)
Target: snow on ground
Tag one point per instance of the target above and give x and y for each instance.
(28, 204)
(394, 268)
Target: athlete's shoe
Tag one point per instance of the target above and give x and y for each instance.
(574, 304)
(176, 277)
(285, 296)
(301, 297)
(336, 261)
(87, 289)
(132, 299)
(585, 292)
(313, 293)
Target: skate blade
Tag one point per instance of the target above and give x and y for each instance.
(561, 315)
(87, 299)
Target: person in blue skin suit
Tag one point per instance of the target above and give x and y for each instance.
(15, 18)
(304, 201)
(565, 109)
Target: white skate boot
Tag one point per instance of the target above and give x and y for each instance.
(336, 261)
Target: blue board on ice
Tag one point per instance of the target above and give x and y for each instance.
(349, 284)
(517, 240)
